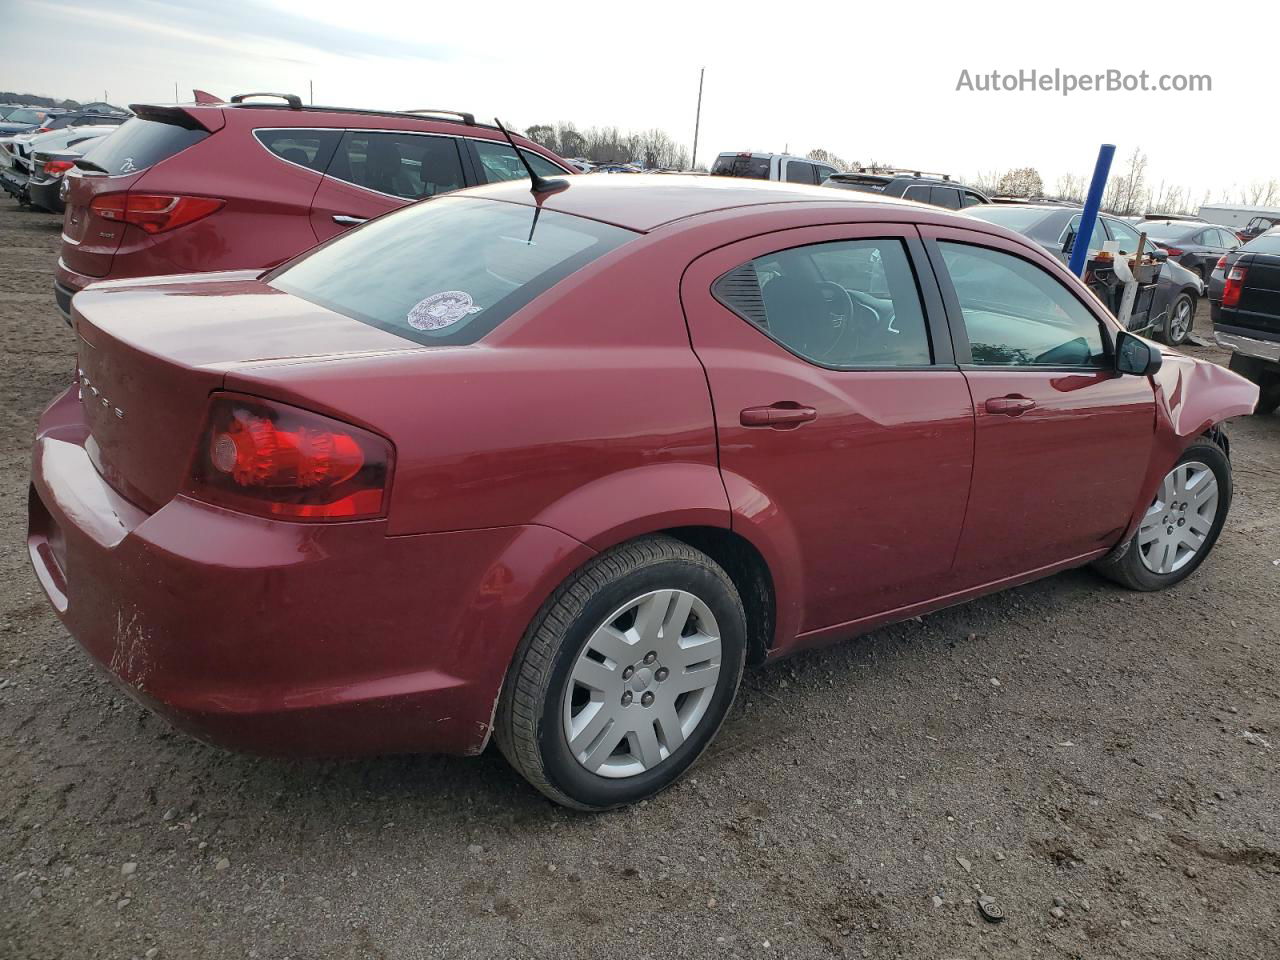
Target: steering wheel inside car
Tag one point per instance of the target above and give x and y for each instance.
(842, 318)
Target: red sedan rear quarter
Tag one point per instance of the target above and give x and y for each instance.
(555, 466)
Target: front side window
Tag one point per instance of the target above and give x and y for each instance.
(1126, 235)
(499, 162)
(447, 271)
(406, 165)
(1017, 314)
(844, 304)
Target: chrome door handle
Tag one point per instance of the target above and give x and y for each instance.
(347, 221)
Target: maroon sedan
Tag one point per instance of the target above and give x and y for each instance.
(552, 467)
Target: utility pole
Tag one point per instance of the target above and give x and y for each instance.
(175, 91)
(311, 84)
(697, 121)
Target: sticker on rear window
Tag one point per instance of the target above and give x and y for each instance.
(441, 310)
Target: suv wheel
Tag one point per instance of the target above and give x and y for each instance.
(625, 675)
(1180, 527)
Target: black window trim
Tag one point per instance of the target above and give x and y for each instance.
(955, 315)
(931, 303)
(474, 165)
(275, 156)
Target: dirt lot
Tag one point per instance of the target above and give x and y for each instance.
(1065, 740)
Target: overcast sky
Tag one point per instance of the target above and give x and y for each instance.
(866, 82)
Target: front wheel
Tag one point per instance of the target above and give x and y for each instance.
(1180, 526)
(625, 676)
(1182, 317)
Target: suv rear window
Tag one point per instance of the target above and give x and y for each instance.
(754, 168)
(140, 143)
(449, 270)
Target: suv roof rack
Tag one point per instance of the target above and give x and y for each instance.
(902, 172)
(294, 102)
(468, 118)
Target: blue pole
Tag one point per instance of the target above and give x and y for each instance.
(1080, 246)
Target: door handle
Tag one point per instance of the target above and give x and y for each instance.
(1011, 406)
(346, 220)
(779, 415)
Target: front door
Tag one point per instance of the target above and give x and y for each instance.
(1063, 440)
(845, 429)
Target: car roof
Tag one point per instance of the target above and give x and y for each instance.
(645, 203)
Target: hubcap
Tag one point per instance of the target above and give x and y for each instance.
(1177, 523)
(642, 684)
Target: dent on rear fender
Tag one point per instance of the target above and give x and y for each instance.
(1193, 395)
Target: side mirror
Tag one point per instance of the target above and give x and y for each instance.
(1135, 356)
(1158, 255)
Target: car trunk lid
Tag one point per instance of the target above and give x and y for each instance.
(150, 352)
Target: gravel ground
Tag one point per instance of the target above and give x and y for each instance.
(1068, 739)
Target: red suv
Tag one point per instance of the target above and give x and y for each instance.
(223, 186)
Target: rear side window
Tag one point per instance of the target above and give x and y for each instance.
(499, 162)
(406, 165)
(917, 192)
(140, 143)
(734, 165)
(947, 197)
(798, 172)
(845, 304)
(1016, 314)
(448, 271)
(307, 148)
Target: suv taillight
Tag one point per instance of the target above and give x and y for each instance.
(1235, 283)
(154, 213)
(273, 460)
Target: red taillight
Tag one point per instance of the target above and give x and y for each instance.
(44, 129)
(1235, 283)
(1222, 263)
(273, 460)
(1173, 251)
(56, 168)
(154, 213)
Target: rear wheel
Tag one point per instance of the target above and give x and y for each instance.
(625, 676)
(1180, 526)
(1181, 318)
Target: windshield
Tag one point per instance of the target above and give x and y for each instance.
(1014, 216)
(447, 270)
(23, 116)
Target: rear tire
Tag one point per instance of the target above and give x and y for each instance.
(1160, 553)
(1180, 321)
(631, 692)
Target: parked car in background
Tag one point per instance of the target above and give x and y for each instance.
(388, 560)
(1197, 246)
(1244, 302)
(83, 118)
(16, 154)
(25, 119)
(771, 166)
(936, 189)
(1171, 313)
(198, 187)
(1259, 225)
(49, 166)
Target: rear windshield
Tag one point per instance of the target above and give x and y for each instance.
(448, 270)
(1017, 218)
(1165, 231)
(140, 143)
(1267, 243)
(733, 165)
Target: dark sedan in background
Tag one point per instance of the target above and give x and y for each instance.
(1197, 246)
(1171, 310)
(1244, 302)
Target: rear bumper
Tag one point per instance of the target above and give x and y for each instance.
(285, 638)
(1249, 346)
(66, 284)
(45, 195)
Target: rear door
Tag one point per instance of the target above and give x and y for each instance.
(374, 172)
(1062, 440)
(845, 431)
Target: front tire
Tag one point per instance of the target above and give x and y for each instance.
(625, 675)
(1180, 526)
